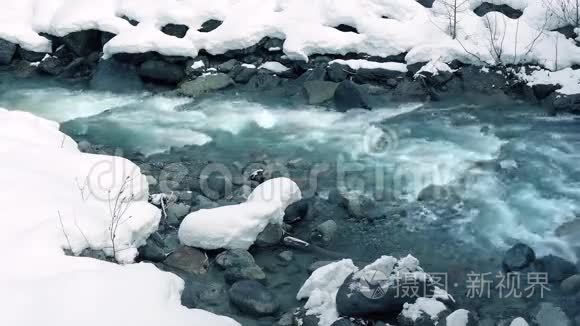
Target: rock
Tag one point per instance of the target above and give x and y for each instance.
(303, 319)
(52, 65)
(437, 193)
(296, 211)
(78, 68)
(270, 236)
(336, 72)
(188, 259)
(316, 73)
(424, 312)
(362, 206)
(30, 56)
(96, 254)
(375, 76)
(319, 91)
(336, 197)
(317, 264)
(177, 211)
(263, 81)
(286, 319)
(242, 75)
(114, 76)
(204, 203)
(547, 314)
(348, 95)
(177, 30)
(238, 273)
(571, 285)
(343, 322)
(567, 103)
(227, 66)
(460, 317)
(346, 28)
(82, 43)
(567, 31)
(518, 257)
(541, 91)
(205, 84)
(210, 25)
(286, 256)
(324, 232)
(253, 298)
(151, 251)
(161, 71)
(7, 51)
(234, 258)
(557, 268)
(487, 7)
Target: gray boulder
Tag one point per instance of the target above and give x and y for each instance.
(253, 298)
(82, 43)
(227, 66)
(557, 268)
(238, 273)
(375, 76)
(336, 72)
(319, 91)
(188, 259)
(233, 258)
(571, 285)
(349, 95)
(324, 232)
(7, 51)
(52, 65)
(177, 30)
(152, 251)
(205, 84)
(547, 314)
(210, 25)
(114, 76)
(242, 75)
(518, 257)
(270, 236)
(30, 56)
(162, 71)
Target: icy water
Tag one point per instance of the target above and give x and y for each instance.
(517, 169)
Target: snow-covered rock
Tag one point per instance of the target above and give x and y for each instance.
(567, 78)
(274, 66)
(519, 322)
(57, 197)
(237, 226)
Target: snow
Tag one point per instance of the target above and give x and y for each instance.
(247, 65)
(237, 226)
(305, 25)
(274, 66)
(568, 78)
(459, 317)
(197, 65)
(519, 322)
(48, 177)
(321, 288)
(434, 67)
(365, 64)
(422, 306)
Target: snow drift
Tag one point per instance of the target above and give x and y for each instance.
(237, 226)
(56, 197)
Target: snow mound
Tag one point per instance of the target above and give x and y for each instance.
(58, 197)
(423, 306)
(321, 288)
(356, 64)
(568, 79)
(237, 226)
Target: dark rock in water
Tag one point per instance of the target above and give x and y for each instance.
(270, 236)
(241, 74)
(571, 285)
(487, 7)
(161, 71)
(114, 76)
(176, 212)
(151, 251)
(319, 91)
(238, 273)
(227, 66)
(346, 28)
(518, 258)
(263, 81)
(253, 298)
(177, 30)
(321, 209)
(336, 72)
(30, 56)
(324, 232)
(210, 25)
(205, 84)
(52, 65)
(460, 317)
(82, 43)
(435, 193)
(234, 258)
(188, 259)
(557, 268)
(286, 319)
(296, 211)
(362, 206)
(286, 256)
(136, 58)
(336, 197)
(203, 295)
(348, 95)
(567, 31)
(548, 314)
(567, 103)
(78, 68)
(375, 76)
(541, 91)
(7, 51)
(316, 73)
(413, 68)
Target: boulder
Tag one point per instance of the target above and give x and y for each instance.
(210, 25)
(286, 319)
(547, 314)
(270, 236)
(363, 206)
(177, 30)
(336, 72)
(238, 273)
(324, 232)
(316, 73)
(152, 251)
(7, 51)
(437, 193)
(161, 71)
(567, 103)
(188, 259)
(205, 84)
(541, 91)
(52, 65)
(571, 285)
(30, 56)
(518, 258)
(348, 95)
(253, 298)
(82, 43)
(319, 91)
(375, 76)
(227, 66)
(176, 212)
(487, 7)
(263, 81)
(114, 76)
(242, 75)
(557, 268)
(297, 211)
(234, 257)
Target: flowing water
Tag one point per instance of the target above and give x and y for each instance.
(516, 167)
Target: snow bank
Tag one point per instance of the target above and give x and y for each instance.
(365, 64)
(55, 197)
(237, 226)
(384, 28)
(567, 78)
(321, 288)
